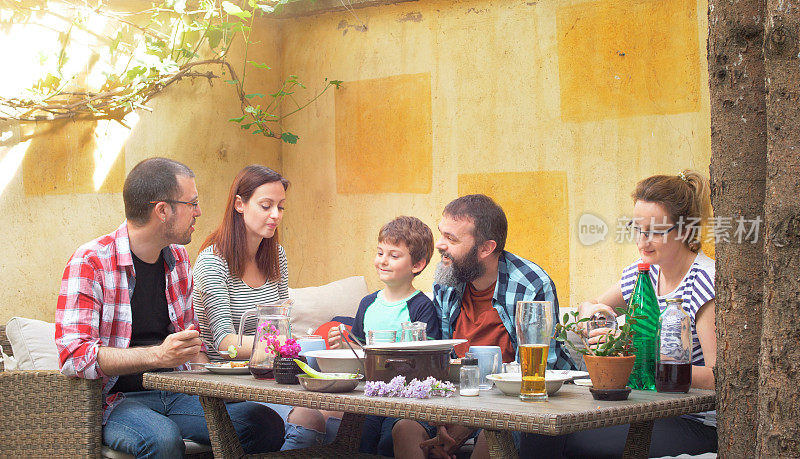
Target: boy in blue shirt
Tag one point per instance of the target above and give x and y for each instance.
(405, 247)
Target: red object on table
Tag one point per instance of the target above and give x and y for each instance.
(325, 328)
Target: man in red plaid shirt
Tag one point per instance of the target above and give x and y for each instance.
(125, 308)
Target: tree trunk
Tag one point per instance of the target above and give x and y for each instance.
(738, 164)
(778, 397)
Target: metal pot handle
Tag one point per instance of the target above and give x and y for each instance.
(410, 362)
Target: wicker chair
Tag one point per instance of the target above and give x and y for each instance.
(47, 414)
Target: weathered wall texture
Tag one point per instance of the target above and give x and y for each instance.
(556, 108)
(53, 203)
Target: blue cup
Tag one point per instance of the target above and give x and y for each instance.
(311, 343)
(490, 361)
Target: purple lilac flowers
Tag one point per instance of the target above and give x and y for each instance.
(397, 387)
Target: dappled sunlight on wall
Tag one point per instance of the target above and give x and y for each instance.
(63, 157)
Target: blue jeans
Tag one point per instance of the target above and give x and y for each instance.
(376, 436)
(154, 424)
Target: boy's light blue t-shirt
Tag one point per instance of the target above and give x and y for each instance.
(382, 315)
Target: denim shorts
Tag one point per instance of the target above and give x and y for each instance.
(296, 436)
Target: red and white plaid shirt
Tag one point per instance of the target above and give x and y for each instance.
(94, 304)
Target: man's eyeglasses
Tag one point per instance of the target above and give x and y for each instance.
(638, 231)
(195, 204)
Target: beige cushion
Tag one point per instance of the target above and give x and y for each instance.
(33, 342)
(313, 306)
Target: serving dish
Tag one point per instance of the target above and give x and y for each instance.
(228, 368)
(511, 383)
(331, 385)
(337, 360)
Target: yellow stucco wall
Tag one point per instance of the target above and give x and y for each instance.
(510, 114)
(499, 103)
(50, 205)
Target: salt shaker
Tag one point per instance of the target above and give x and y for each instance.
(470, 376)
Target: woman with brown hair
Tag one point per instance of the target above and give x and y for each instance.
(668, 214)
(241, 265)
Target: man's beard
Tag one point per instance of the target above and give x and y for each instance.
(459, 271)
(176, 237)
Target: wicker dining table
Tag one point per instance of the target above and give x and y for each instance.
(571, 409)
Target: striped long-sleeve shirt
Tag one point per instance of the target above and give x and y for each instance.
(220, 298)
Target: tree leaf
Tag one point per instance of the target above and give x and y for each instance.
(259, 65)
(255, 94)
(239, 119)
(288, 137)
(337, 83)
(234, 10)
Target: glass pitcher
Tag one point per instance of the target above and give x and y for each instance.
(272, 327)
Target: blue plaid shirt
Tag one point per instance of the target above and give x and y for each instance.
(517, 280)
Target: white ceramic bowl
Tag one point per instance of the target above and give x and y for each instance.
(511, 383)
(337, 360)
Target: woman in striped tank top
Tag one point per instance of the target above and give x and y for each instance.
(241, 265)
(668, 213)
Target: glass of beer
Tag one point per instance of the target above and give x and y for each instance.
(534, 324)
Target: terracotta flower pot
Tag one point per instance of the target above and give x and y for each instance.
(609, 372)
(286, 370)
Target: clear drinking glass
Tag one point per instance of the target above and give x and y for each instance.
(413, 331)
(381, 336)
(534, 323)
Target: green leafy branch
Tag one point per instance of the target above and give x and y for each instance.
(148, 51)
(613, 343)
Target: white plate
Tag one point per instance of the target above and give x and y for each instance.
(570, 374)
(583, 382)
(511, 383)
(430, 345)
(226, 369)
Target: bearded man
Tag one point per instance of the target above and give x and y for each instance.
(476, 290)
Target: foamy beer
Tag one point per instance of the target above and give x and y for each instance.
(534, 325)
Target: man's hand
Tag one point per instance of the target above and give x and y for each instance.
(178, 348)
(334, 338)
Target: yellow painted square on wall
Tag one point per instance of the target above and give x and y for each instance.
(536, 207)
(383, 135)
(628, 57)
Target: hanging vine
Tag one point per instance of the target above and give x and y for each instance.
(140, 53)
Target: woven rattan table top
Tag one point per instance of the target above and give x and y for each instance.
(571, 409)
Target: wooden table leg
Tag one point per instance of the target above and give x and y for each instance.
(224, 440)
(638, 443)
(501, 444)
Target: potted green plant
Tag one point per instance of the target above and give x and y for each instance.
(609, 362)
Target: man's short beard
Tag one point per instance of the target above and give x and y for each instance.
(465, 270)
(174, 237)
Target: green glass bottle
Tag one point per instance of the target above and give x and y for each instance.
(644, 303)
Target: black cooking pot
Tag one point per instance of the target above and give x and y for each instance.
(385, 364)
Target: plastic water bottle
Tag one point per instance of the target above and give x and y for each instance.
(674, 358)
(644, 303)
